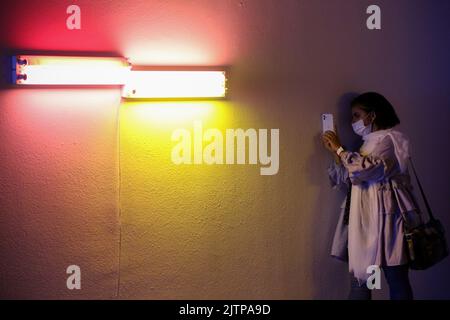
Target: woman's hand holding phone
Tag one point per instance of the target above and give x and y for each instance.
(331, 142)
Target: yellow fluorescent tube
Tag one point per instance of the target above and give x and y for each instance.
(62, 70)
(152, 84)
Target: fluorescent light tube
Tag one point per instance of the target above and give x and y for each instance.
(62, 70)
(161, 84)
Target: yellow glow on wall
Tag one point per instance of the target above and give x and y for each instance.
(188, 221)
(146, 142)
(157, 84)
(62, 70)
(146, 147)
(169, 113)
(149, 126)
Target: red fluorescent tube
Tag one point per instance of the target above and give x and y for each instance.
(62, 70)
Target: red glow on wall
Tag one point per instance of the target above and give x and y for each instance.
(147, 32)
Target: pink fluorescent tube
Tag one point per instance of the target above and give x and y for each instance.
(62, 70)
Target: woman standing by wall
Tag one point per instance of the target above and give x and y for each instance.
(370, 230)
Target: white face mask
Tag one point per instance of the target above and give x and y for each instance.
(360, 129)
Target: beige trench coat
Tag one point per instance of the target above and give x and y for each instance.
(375, 177)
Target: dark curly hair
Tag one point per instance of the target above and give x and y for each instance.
(385, 116)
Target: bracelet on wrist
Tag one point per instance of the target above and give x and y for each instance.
(339, 150)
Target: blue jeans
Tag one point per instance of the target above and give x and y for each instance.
(397, 279)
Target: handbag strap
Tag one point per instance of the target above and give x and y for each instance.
(421, 190)
(347, 202)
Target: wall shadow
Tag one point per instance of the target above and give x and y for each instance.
(330, 276)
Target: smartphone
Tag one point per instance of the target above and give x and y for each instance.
(327, 122)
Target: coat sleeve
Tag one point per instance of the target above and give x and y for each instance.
(379, 165)
(338, 175)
